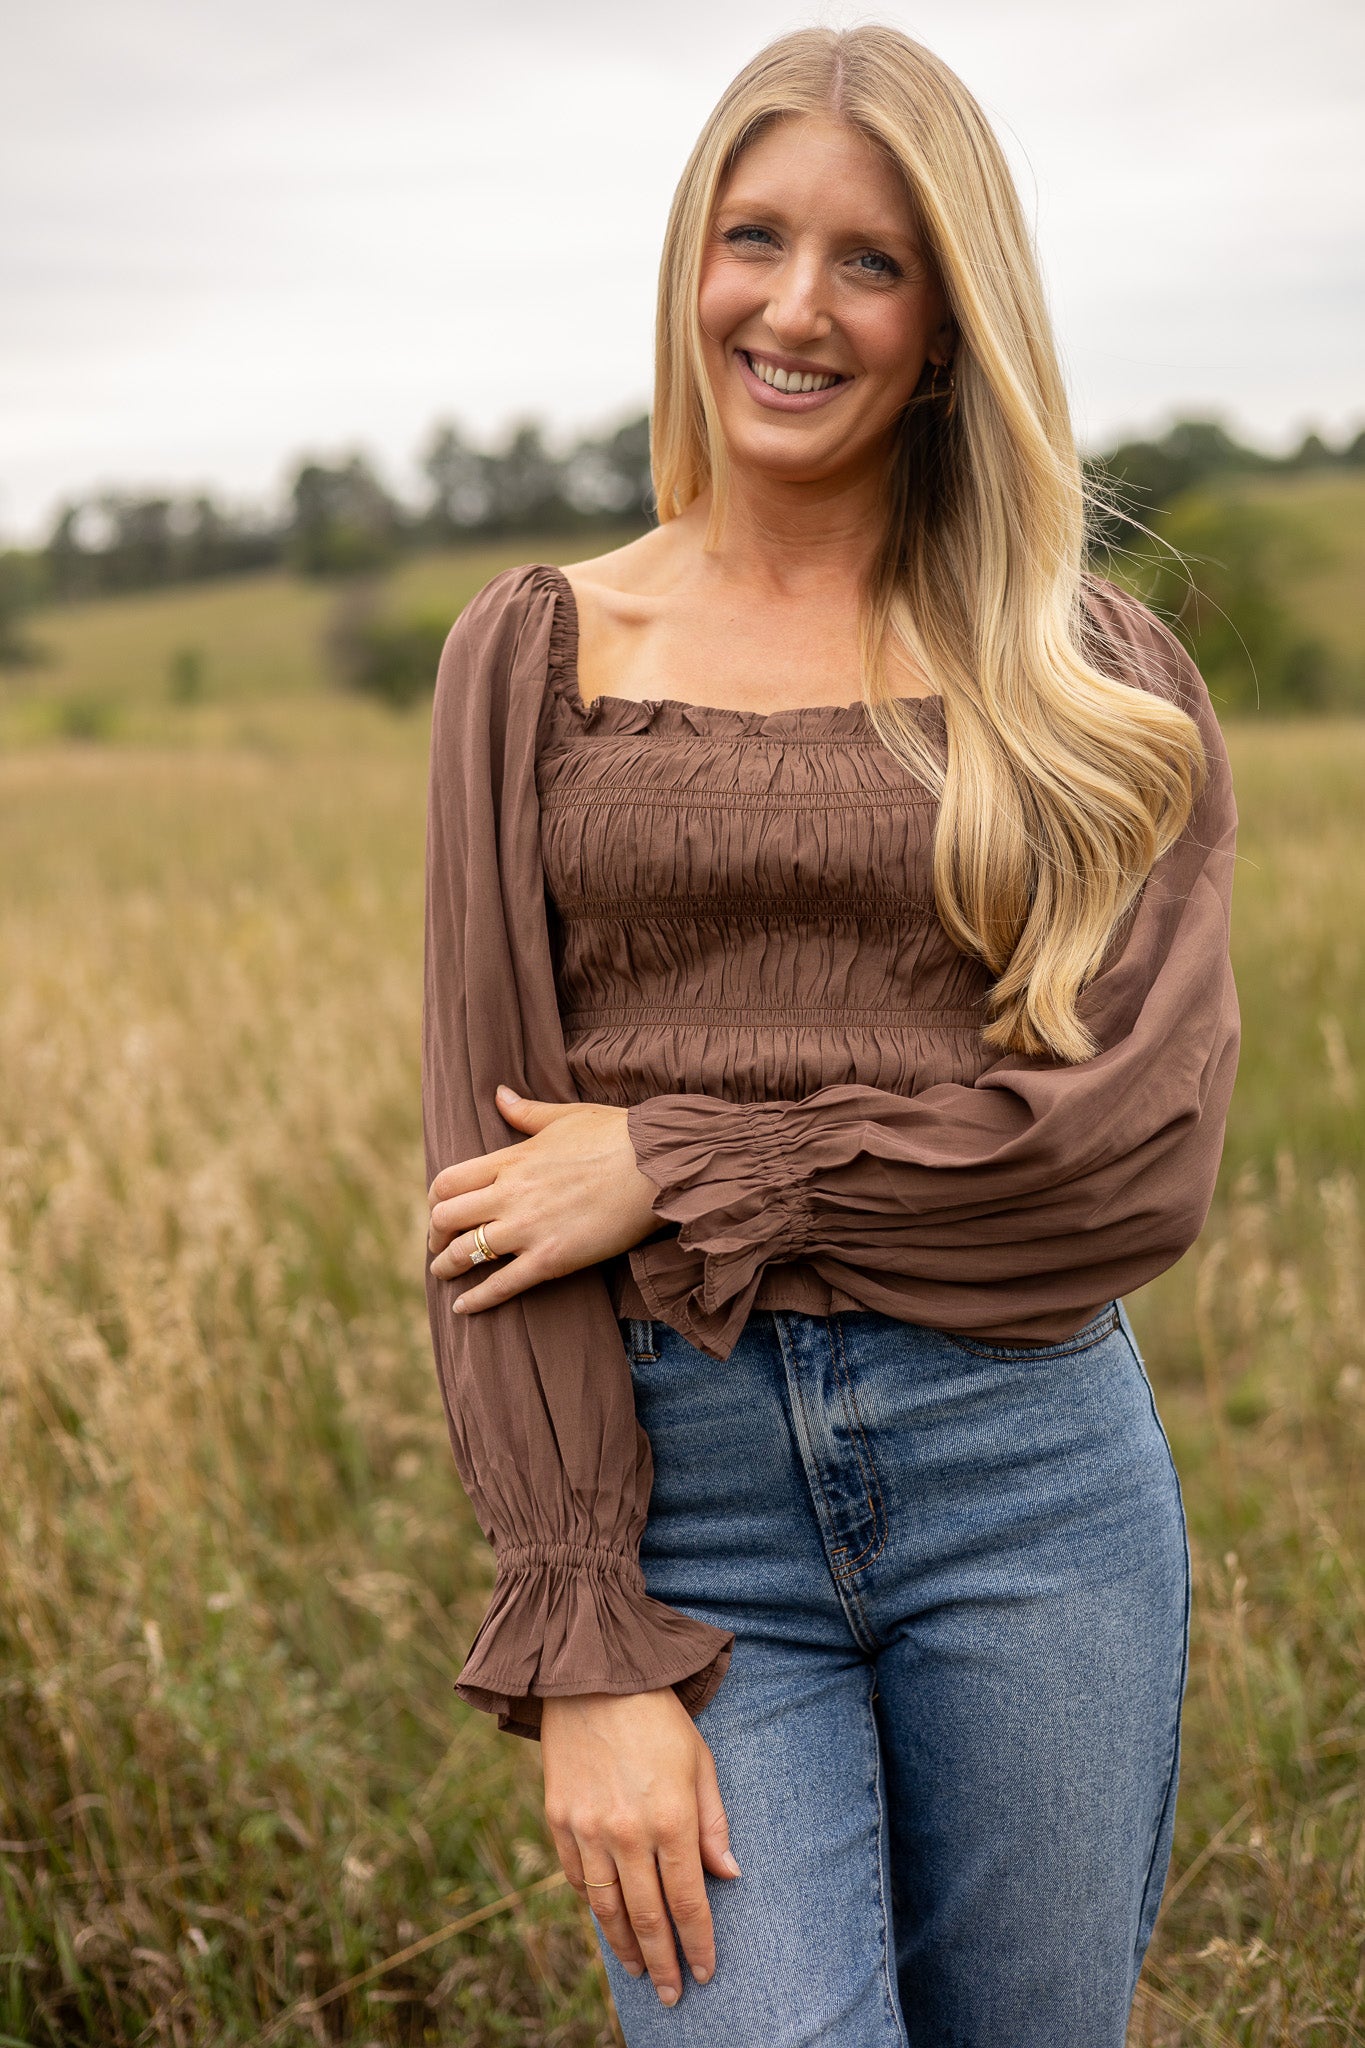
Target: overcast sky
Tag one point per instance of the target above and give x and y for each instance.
(235, 230)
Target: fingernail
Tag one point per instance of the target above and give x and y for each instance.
(510, 1094)
(457, 1307)
(730, 1864)
(703, 1975)
(634, 1969)
(667, 1995)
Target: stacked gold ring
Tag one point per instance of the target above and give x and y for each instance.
(482, 1251)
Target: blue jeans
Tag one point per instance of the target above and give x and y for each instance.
(948, 1742)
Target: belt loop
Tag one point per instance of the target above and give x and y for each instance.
(642, 1337)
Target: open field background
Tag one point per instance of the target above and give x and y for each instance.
(237, 1573)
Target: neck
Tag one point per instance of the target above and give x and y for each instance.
(787, 539)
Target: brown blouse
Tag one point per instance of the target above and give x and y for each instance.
(723, 921)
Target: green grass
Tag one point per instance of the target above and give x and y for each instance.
(237, 1574)
(1328, 597)
(1269, 586)
(108, 666)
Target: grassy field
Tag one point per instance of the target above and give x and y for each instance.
(1327, 591)
(237, 1573)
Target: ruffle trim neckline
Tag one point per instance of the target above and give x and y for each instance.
(673, 714)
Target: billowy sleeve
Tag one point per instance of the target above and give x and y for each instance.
(1012, 1207)
(537, 1390)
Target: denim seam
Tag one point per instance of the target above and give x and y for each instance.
(1184, 1662)
(889, 1990)
(875, 1545)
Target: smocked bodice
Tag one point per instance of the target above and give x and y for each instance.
(741, 902)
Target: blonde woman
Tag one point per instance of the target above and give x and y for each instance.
(828, 1018)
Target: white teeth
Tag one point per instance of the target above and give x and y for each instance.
(789, 380)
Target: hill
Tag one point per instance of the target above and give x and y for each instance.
(1279, 624)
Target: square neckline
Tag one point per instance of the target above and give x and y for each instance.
(568, 602)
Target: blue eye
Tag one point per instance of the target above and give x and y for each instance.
(892, 269)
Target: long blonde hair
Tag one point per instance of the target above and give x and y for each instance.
(1061, 785)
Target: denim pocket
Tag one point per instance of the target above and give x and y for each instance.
(1101, 1325)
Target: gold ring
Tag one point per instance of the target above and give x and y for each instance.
(600, 1884)
(482, 1251)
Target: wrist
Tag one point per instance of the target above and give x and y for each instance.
(600, 1706)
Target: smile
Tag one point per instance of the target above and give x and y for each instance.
(787, 390)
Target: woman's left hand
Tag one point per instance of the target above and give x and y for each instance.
(561, 1199)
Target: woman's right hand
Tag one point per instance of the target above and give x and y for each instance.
(631, 1794)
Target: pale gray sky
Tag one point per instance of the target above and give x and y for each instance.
(234, 230)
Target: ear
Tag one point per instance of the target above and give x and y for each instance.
(944, 345)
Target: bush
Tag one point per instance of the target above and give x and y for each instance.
(1224, 597)
(22, 586)
(84, 718)
(185, 675)
(393, 660)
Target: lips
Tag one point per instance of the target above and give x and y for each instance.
(785, 373)
(769, 396)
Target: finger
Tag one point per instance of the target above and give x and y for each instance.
(461, 1253)
(461, 1212)
(644, 1899)
(713, 1826)
(607, 1905)
(622, 1941)
(527, 1114)
(569, 1857)
(464, 1175)
(685, 1890)
(513, 1278)
(615, 1925)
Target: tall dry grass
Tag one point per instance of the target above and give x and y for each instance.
(236, 1571)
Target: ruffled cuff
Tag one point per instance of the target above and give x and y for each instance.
(568, 1618)
(724, 1177)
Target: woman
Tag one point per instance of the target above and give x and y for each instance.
(840, 878)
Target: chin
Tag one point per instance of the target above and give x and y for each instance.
(779, 456)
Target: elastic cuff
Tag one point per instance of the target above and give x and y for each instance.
(569, 1618)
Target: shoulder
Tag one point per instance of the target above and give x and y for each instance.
(1136, 646)
(483, 643)
(491, 675)
(625, 587)
(633, 570)
(1124, 634)
(498, 604)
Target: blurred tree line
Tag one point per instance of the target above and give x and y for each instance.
(1217, 564)
(339, 520)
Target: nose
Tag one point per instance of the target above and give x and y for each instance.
(796, 311)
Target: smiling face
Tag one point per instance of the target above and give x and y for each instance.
(818, 307)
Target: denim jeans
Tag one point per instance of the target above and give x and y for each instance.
(948, 1741)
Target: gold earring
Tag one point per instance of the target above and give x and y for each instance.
(950, 392)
